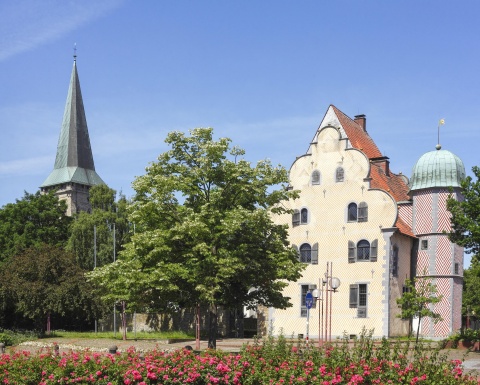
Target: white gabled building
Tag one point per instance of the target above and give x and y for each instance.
(374, 228)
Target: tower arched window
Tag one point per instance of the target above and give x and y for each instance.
(315, 177)
(304, 216)
(305, 253)
(339, 175)
(352, 212)
(357, 213)
(362, 251)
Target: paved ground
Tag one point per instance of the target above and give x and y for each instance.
(104, 344)
(471, 359)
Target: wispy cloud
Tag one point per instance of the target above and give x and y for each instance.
(29, 166)
(25, 24)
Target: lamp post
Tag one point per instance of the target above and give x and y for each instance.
(318, 295)
(329, 285)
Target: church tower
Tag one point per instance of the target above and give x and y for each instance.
(436, 176)
(74, 171)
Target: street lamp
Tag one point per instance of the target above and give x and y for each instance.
(330, 285)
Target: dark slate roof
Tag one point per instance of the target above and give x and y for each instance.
(74, 160)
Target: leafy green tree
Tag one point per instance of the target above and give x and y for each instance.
(466, 215)
(418, 300)
(34, 219)
(471, 283)
(204, 232)
(45, 281)
(94, 231)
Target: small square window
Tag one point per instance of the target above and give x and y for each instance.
(424, 244)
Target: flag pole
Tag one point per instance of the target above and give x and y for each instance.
(441, 122)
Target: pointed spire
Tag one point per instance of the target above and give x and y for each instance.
(74, 160)
(73, 148)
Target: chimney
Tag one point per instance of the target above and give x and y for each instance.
(362, 121)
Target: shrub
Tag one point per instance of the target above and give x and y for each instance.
(273, 361)
(10, 337)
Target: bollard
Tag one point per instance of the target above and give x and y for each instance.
(56, 350)
(2, 348)
(112, 349)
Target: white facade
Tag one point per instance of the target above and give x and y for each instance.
(354, 213)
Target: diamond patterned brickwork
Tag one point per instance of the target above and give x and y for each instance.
(443, 328)
(405, 213)
(423, 260)
(443, 223)
(444, 256)
(423, 220)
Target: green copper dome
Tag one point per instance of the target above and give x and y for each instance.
(439, 168)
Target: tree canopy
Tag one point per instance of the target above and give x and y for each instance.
(471, 283)
(95, 230)
(34, 219)
(466, 215)
(203, 230)
(44, 280)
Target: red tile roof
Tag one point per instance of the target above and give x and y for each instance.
(381, 177)
(357, 136)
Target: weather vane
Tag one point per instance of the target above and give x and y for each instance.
(75, 52)
(441, 122)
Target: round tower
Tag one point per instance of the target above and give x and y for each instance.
(435, 176)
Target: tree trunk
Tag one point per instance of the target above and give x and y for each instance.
(48, 324)
(212, 326)
(418, 329)
(124, 321)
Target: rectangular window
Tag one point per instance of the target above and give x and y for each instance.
(424, 244)
(395, 262)
(358, 299)
(456, 268)
(303, 306)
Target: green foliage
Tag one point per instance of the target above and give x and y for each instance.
(466, 335)
(32, 220)
(10, 337)
(471, 283)
(418, 300)
(46, 280)
(203, 230)
(102, 197)
(466, 215)
(99, 224)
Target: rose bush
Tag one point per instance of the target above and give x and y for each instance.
(274, 361)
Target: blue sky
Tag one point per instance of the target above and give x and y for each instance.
(260, 72)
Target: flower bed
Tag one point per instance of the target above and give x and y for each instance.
(275, 361)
